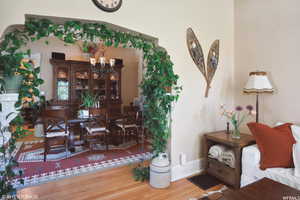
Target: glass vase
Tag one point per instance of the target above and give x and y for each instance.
(235, 133)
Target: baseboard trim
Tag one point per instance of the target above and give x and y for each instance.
(189, 169)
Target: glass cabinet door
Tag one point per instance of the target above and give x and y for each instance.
(80, 83)
(99, 88)
(62, 84)
(114, 86)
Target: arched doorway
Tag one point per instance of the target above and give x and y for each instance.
(159, 78)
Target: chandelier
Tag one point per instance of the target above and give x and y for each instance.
(98, 63)
(102, 68)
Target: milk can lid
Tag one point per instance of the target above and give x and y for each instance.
(162, 160)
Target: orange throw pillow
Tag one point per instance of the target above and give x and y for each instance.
(275, 144)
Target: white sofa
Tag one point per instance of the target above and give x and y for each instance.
(251, 171)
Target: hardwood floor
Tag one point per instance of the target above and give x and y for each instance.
(113, 184)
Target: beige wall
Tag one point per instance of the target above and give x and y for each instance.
(167, 20)
(130, 57)
(267, 38)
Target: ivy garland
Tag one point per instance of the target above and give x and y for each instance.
(159, 77)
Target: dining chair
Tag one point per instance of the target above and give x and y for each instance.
(56, 129)
(129, 124)
(97, 130)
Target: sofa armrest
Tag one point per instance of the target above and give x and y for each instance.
(250, 159)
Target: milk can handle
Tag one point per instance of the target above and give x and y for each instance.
(163, 156)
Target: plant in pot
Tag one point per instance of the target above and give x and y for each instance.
(88, 101)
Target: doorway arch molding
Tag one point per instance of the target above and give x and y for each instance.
(159, 85)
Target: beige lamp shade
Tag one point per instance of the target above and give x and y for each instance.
(258, 82)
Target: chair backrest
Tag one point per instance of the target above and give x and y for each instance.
(55, 119)
(140, 118)
(131, 113)
(100, 114)
(114, 109)
(97, 111)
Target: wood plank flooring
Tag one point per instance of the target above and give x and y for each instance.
(113, 184)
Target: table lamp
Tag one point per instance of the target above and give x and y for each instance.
(258, 83)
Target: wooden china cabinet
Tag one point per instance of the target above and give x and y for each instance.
(72, 78)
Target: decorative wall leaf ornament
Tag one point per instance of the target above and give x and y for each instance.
(197, 55)
(195, 50)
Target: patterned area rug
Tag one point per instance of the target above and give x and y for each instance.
(35, 171)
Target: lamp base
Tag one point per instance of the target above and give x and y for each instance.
(257, 108)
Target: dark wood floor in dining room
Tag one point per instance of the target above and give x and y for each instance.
(113, 184)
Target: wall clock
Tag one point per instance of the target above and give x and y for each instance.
(108, 5)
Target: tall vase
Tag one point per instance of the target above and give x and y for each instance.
(235, 133)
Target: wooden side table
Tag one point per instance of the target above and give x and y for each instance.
(231, 176)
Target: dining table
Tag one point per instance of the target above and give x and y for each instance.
(77, 123)
(77, 127)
